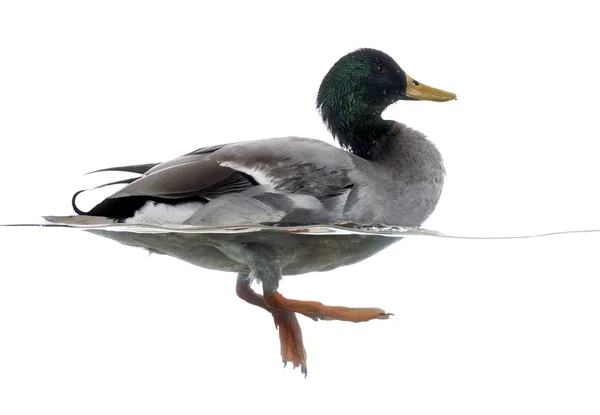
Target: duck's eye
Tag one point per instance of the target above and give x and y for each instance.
(415, 83)
(379, 69)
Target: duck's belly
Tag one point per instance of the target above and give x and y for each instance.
(298, 253)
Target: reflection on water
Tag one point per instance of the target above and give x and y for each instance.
(299, 249)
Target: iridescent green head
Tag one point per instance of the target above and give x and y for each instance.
(358, 88)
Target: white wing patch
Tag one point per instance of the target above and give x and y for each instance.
(257, 174)
(153, 213)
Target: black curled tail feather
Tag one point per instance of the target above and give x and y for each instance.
(74, 204)
(81, 212)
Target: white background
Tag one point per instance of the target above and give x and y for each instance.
(482, 327)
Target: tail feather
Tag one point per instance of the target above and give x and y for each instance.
(134, 168)
(79, 220)
(74, 198)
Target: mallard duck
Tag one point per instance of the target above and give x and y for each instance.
(385, 173)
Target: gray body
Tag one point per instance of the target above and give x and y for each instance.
(300, 181)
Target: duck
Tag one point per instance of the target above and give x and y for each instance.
(382, 172)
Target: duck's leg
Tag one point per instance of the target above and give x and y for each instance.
(316, 310)
(290, 334)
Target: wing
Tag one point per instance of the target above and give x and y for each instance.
(284, 166)
(292, 165)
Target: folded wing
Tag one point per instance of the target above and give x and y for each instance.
(280, 172)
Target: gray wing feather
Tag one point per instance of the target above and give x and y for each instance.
(286, 165)
(185, 177)
(292, 165)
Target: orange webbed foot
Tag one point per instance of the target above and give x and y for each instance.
(290, 333)
(290, 337)
(319, 311)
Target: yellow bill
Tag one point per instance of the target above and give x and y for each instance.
(417, 90)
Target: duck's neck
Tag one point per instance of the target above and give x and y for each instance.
(359, 128)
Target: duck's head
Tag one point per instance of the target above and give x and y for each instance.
(358, 88)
